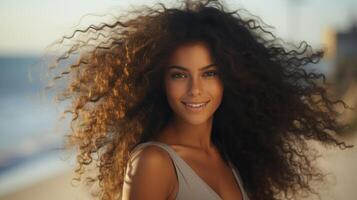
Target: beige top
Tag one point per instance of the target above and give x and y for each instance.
(191, 186)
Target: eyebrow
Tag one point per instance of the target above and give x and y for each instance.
(186, 69)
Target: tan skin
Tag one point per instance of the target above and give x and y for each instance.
(204, 162)
(189, 132)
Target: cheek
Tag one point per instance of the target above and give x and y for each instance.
(174, 90)
(216, 90)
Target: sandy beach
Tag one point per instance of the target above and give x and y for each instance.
(57, 187)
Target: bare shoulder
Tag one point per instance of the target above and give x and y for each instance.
(149, 175)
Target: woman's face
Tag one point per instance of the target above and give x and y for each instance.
(193, 88)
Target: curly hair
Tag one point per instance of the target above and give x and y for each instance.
(271, 106)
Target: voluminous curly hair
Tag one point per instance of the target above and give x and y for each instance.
(271, 106)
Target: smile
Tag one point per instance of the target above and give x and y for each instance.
(195, 106)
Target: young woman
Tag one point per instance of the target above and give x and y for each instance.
(195, 102)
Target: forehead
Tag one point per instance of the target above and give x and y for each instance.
(191, 55)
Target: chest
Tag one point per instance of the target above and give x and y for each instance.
(212, 172)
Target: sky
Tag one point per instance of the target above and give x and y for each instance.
(29, 26)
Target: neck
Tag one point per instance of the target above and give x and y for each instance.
(191, 135)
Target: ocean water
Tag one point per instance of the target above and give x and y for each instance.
(30, 136)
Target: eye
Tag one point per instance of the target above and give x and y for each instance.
(211, 73)
(177, 75)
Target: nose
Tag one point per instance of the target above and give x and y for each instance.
(195, 88)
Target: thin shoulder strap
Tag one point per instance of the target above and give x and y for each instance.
(240, 181)
(180, 170)
(162, 145)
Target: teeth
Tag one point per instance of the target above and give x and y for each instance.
(196, 105)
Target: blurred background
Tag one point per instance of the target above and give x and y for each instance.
(31, 164)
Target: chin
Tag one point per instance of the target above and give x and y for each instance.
(195, 120)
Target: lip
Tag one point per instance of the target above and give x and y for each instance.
(199, 109)
(194, 102)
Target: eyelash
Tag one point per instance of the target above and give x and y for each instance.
(174, 74)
